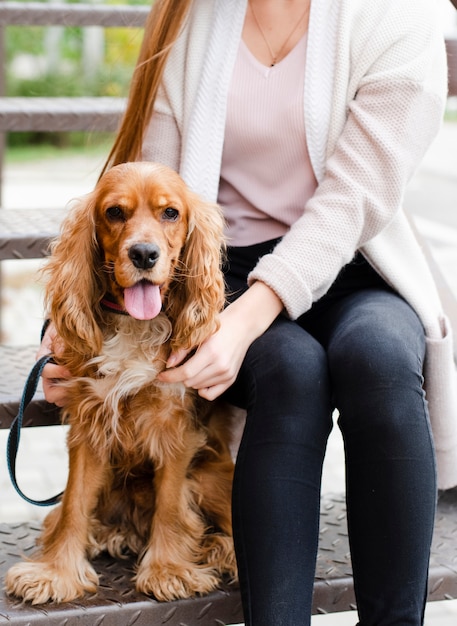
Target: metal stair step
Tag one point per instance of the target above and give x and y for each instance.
(26, 233)
(90, 114)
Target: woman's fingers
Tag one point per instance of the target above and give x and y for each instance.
(52, 378)
(53, 375)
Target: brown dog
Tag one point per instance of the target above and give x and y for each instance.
(135, 274)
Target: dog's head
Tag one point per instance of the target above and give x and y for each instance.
(147, 243)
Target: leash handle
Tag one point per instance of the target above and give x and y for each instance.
(15, 430)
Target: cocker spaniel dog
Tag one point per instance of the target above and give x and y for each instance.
(134, 274)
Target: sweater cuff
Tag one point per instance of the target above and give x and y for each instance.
(288, 286)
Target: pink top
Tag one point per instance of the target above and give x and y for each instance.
(266, 174)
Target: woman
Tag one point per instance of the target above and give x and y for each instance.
(305, 122)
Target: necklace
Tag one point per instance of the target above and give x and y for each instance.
(277, 56)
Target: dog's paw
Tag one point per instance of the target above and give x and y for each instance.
(171, 581)
(114, 540)
(219, 553)
(39, 582)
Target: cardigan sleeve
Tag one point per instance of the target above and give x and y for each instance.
(398, 83)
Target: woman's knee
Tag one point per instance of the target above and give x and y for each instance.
(284, 385)
(378, 342)
(288, 361)
(375, 359)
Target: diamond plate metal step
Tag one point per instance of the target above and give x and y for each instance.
(116, 601)
(97, 114)
(26, 233)
(84, 14)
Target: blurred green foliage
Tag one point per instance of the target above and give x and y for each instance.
(27, 44)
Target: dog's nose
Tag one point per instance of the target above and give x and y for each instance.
(144, 255)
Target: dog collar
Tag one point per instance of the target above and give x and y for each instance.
(109, 305)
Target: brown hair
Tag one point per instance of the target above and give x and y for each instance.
(162, 28)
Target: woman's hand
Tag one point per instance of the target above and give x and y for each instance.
(216, 363)
(53, 374)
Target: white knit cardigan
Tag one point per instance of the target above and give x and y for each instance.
(375, 90)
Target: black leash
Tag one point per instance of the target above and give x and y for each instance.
(15, 431)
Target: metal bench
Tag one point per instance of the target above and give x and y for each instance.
(25, 234)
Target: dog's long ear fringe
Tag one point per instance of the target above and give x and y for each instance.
(197, 294)
(73, 288)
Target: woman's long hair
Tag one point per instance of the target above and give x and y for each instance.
(162, 28)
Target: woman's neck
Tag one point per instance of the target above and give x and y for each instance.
(272, 28)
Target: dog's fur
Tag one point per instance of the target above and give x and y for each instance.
(150, 468)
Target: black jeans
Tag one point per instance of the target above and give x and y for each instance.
(360, 350)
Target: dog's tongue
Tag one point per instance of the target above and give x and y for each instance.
(143, 301)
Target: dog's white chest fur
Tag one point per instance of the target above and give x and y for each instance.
(130, 361)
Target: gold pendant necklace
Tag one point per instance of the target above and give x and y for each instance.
(277, 56)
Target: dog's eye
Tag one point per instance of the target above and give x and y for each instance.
(170, 214)
(115, 213)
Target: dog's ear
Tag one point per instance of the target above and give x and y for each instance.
(73, 289)
(197, 293)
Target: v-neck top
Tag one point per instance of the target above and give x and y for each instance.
(266, 174)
